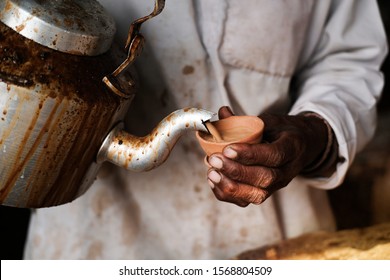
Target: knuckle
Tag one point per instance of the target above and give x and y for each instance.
(251, 155)
(270, 155)
(258, 196)
(267, 178)
(227, 192)
(246, 153)
(236, 172)
(275, 158)
(230, 190)
(278, 158)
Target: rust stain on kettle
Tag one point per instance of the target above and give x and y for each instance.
(23, 25)
(8, 7)
(70, 111)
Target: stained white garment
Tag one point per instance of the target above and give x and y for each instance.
(209, 54)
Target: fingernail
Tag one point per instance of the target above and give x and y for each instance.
(229, 153)
(215, 162)
(214, 177)
(211, 184)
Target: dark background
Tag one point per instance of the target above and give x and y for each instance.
(351, 202)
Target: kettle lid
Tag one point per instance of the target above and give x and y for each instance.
(79, 27)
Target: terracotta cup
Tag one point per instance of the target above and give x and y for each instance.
(237, 129)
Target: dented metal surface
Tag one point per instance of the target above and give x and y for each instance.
(79, 27)
(55, 112)
(147, 152)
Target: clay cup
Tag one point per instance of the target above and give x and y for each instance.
(237, 129)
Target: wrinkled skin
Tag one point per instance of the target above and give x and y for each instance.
(249, 173)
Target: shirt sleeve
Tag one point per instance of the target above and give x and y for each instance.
(339, 76)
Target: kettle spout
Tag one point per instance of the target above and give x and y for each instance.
(150, 151)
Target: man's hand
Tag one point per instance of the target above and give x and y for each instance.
(250, 173)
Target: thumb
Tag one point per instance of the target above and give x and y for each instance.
(225, 112)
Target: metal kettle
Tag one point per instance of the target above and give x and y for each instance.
(58, 121)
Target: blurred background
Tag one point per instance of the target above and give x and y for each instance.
(362, 200)
(364, 197)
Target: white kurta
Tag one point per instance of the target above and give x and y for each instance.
(208, 54)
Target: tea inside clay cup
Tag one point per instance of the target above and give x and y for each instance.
(234, 129)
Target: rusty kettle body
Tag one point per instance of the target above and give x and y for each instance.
(58, 121)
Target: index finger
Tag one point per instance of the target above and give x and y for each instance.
(275, 154)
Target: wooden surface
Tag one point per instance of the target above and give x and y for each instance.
(369, 243)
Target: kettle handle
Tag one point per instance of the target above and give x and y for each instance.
(134, 45)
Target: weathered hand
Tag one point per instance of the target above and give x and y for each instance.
(250, 173)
